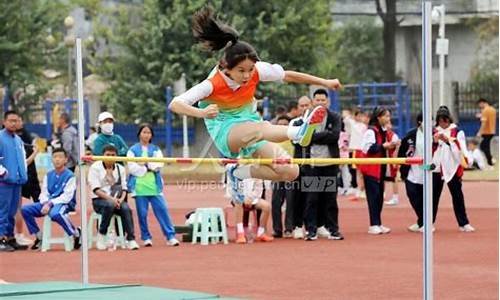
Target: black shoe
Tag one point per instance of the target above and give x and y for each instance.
(311, 236)
(277, 235)
(37, 244)
(13, 243)
(5, 246)
(337, 235)
(77, 240)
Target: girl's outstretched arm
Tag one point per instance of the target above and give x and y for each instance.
(298, 77)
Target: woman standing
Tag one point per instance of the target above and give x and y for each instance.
(376, 143)
(146, 186)
(449, 149)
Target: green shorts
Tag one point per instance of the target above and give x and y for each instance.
(220, 126)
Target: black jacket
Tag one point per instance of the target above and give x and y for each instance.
(407, 149)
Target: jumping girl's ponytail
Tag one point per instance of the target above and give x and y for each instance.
(215, 35)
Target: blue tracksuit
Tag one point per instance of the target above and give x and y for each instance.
(13, 167)
(60, 191)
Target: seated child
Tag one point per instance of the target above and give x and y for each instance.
(57, 199)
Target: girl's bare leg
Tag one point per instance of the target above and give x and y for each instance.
(248, 133)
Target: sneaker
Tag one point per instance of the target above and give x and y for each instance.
(310, 124)
(374, 229)
(132, 245)
(385, 229)
(337, 235)
(37, 244)
(298, 233)
(277, 235)
(352, 191)
(467, 228)
(241, 239)
(322, 232)
(22, 240)
(5, 246)
(361, 195)
(148, 243)
(101, 242)
(234, 183)
(393, 201)
(311, 236)
(287, 234)
(12, 242)
(173, 242)
(414, 228)
(422, 229)
(264, 238)
(77, 241)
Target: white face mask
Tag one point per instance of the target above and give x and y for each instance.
(107, 128)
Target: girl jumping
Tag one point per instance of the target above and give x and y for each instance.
(227, 98)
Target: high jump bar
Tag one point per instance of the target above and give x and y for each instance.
(263, 161)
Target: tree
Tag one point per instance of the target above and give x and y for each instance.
(24, 48)
(485, 67)
(152, 45)
(359, 50)
(389, 36)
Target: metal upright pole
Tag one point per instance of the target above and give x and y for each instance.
(427, 119)
(83, 184)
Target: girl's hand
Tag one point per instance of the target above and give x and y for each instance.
(210, 111)
(333, 84)
(388, 145)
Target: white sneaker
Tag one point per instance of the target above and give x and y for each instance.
(362, 195)
(234, 183)
(385, 229)
(467, 228)
(393, 201)
(341, 191)
(101, 242)
(422, 229)
(374, 230)
(414, 228)
(298, 233)
(148, 243)
(22, 240)
(173, 242)
(132, 245)
(352, 191)
(322, 232)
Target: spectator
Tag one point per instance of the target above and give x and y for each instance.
(13, 175)
(146, 185)
(344, 169)
(376, 143)
(321, 212)
(92, 137)
(392, 172)
(282, 194)
(299, 197)
(108, 183)
(356, 128)
(69, 140)
(449, 150)
(488, 118)
(475, 157)
(412, 145)
(293, 110)
(280, 111)
(107, 137)
(252, 192)
(31, 189)
(57, 199)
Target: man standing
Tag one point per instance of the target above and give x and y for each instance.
(13, 175)
(320, 181)
(69, 140)
(488, 118)
(298, 197)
